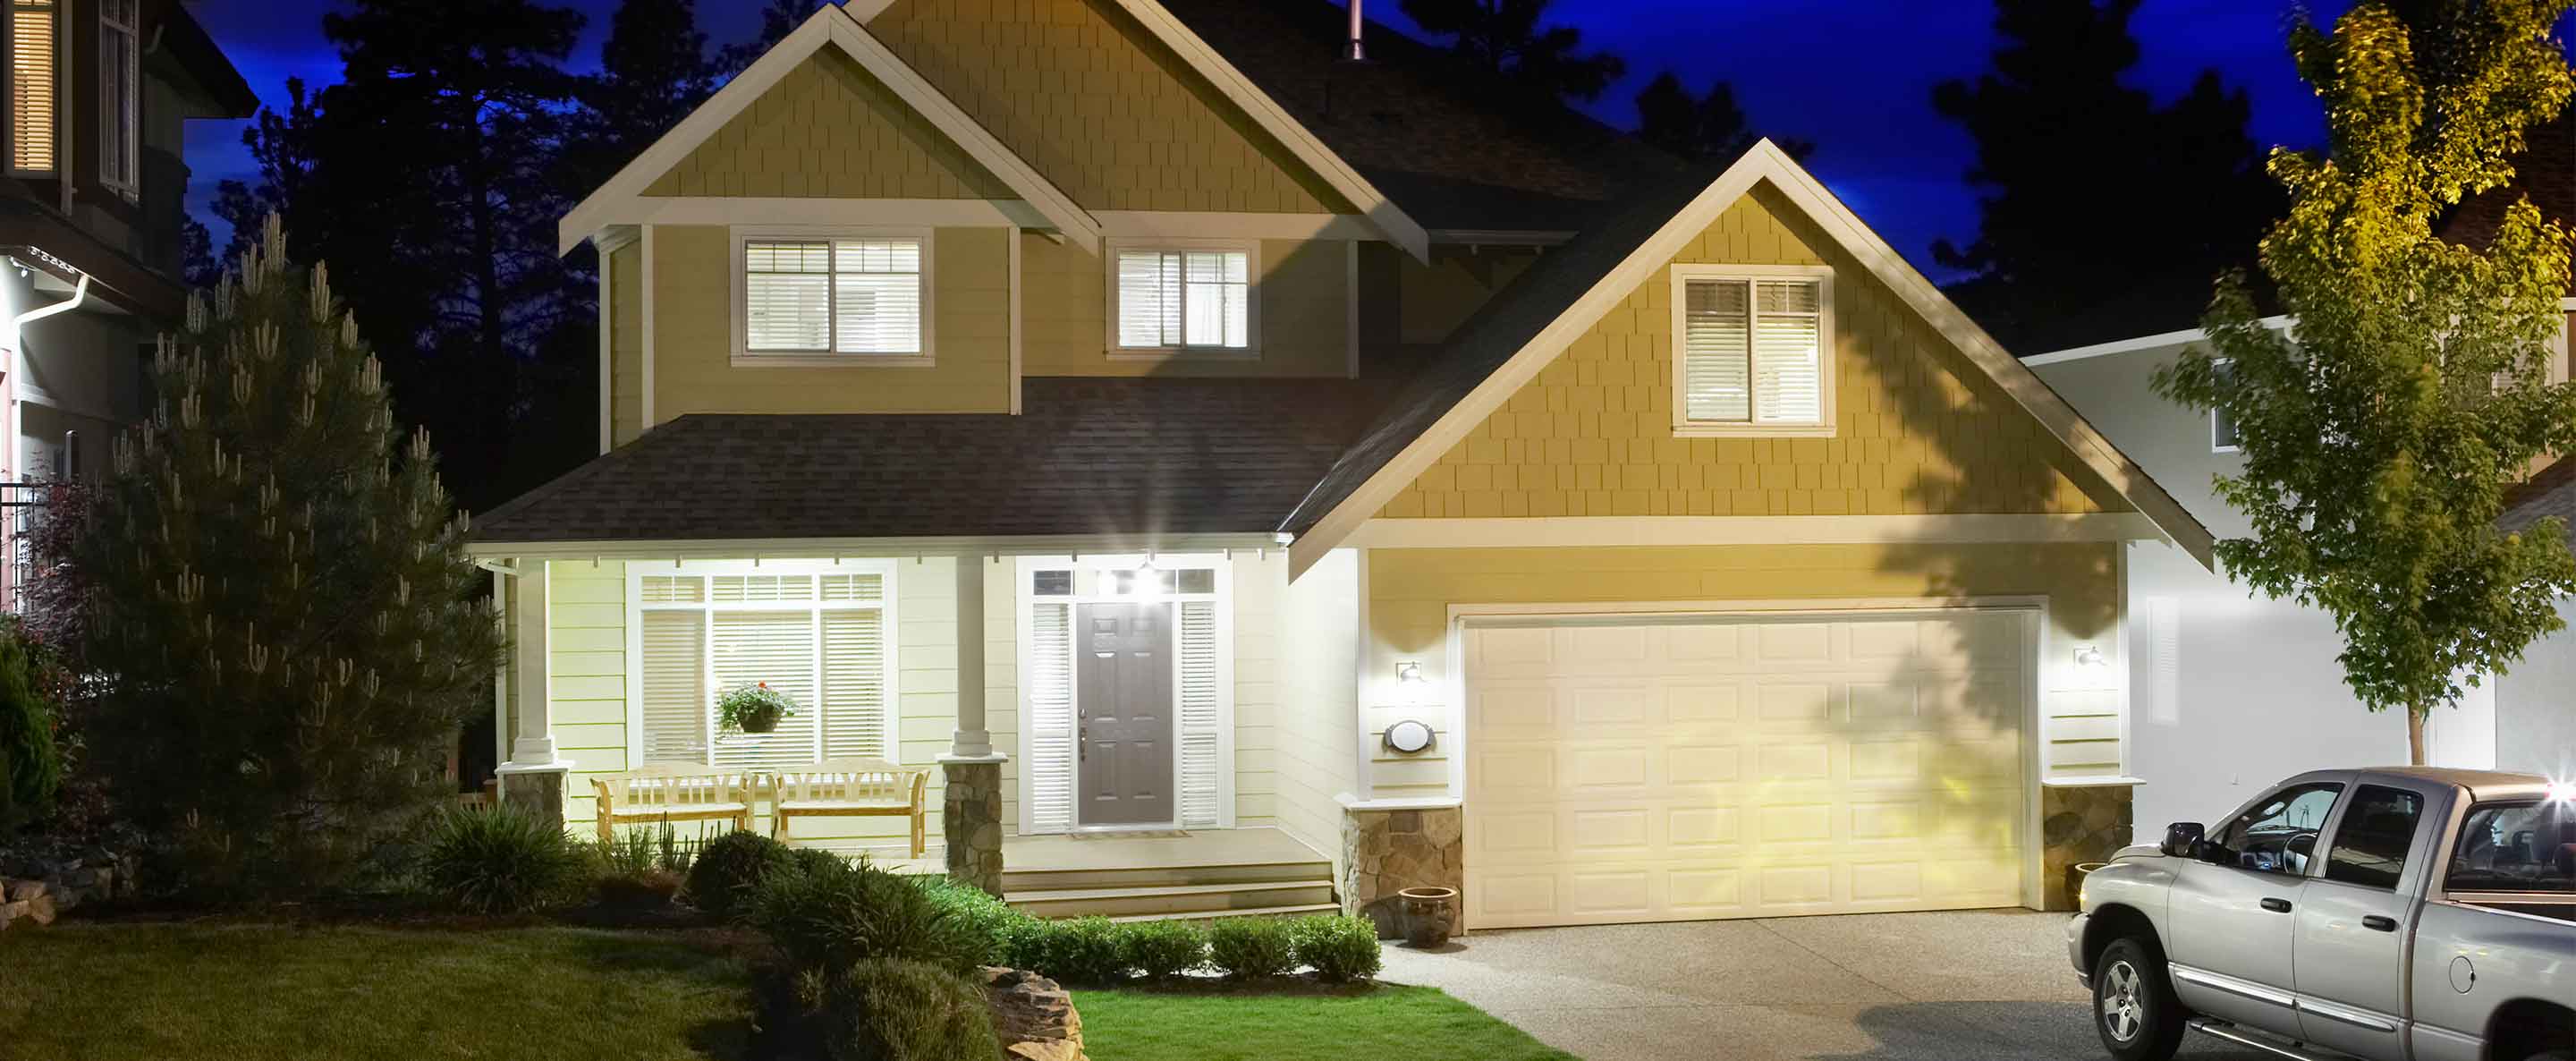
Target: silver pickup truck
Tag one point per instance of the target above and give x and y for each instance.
(2402, 914)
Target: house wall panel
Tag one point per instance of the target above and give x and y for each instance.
(830, 129)
(1303, 290)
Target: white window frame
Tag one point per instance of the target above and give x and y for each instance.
(1025, 594)
(745, 357)
(122, 127)
(639, 570)
(1251, 348)
(54, 113)
(2215, 446)
(1827, 353)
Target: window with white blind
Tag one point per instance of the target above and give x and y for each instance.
(32, 86)
(839, 296)
(820, 634)
(1185, 298)
(1753, 351)
(119, 95)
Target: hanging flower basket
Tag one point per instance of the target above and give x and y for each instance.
(752, 708)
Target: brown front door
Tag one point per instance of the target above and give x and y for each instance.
(1123, 729)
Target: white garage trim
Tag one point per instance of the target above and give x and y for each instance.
(2033, 635)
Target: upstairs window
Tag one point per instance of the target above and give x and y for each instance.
(119, 92)
(31, 85)
(836, 296)
(2222, 427)
(1752, 351)
(1183, 298)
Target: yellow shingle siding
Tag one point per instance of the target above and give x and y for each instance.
(693, 369)
(626, 343)
(1919, 428)
(830, 130)
(1304, 293)
(1093, 101)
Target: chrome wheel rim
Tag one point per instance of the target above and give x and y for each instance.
(2123, 1011)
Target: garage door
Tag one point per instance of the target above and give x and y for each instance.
(1665, 769)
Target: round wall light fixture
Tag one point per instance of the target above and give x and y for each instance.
(1408, 737)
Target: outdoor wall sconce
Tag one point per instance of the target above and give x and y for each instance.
(1408, 737)
(2089, 656)
(1409, 682)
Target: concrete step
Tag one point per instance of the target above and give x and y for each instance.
(1172, 899)
(1045, 880)
(1259, 911)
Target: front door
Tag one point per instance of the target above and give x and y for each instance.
(1123, 717)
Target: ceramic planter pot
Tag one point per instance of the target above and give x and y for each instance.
(1428, 913)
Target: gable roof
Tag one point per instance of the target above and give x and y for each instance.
(2545, 172)
(1390, 220)
(2551, 492)
(1527, 325)
(616, 202)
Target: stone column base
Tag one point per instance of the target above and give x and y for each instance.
(2076, 825)
(1387, 851)
(537, 789)
(971, 821)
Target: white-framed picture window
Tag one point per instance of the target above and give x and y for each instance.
(834, 297)
(120, 90)
(1753, 350)
(1184, 297)
(34, 87)
(821, 633)
(2222, 427)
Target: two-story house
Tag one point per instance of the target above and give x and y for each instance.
(1216, 455)
(91, 215)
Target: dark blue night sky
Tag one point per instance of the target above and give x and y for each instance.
(1853, 75)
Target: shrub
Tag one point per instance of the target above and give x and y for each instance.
(729, 867)
(497, 860)
(31, 767)
(642, 869)
(1251, 948)
(829, 921)
(816, 860)
(1080, 951)
(1161, 950)
(885, 1009)
(1342, 949)
(988, 921)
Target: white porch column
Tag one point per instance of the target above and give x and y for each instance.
(535, 776)
(973, 740)
(970, 808)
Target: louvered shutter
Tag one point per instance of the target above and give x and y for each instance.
(674, 679)
(854, 704)
(1050, 720)
(32, 91)
(1787, 359)
(777, 648)
(1717, 352)
(1199, 729)
(787, 292)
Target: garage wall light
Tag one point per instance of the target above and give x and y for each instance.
(2090, 656)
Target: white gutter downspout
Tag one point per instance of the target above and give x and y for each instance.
(80, 294)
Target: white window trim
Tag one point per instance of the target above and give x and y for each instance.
(2215, 446)
(740, 336)
(639, 570)
(54, 114)
(1251, 348)
(131, 128)
(1827, 353)
(1024, 614)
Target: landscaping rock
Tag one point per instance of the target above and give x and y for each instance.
(25, 889)
(11, 912)
(40, 909)
(1033, 1016)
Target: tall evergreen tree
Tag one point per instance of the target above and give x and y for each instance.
(1501, 43)
(277, 596)
(777, 20)
(2102, 214)
(1700, 128)
(653, 70)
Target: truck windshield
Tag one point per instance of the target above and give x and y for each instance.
(2516, 847)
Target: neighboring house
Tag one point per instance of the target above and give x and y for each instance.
(1131, 409)
(91, 215)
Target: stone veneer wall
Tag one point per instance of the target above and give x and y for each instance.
(2079, 825)
(1387, 851)
(971, 823)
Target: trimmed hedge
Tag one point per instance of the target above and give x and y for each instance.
(1161, 950)
(730, 867)
(1340, 949)
(1252, 948)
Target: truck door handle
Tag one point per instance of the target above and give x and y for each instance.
(2278, 906)
(2377, 923)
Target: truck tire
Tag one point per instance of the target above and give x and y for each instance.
(2134, 1008)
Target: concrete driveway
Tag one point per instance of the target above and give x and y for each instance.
(1966, 986)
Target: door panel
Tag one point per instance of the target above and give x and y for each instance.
(2231, 921)
(2357, 917)
(1123, 722)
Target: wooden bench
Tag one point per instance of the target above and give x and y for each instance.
(849, 788)
(687, 792)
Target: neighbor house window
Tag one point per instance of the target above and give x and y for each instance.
(834, 296)
(2222, 427)
(31, 85)
(119, 85)
(1752, 351)
(818, 633)
(1183, 297)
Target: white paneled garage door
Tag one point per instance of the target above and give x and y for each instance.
(1661, 769)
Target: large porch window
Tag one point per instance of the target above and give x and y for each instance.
(818, 632)
(1054, 595)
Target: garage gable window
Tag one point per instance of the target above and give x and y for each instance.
(1752, 350)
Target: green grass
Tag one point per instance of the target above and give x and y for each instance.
(1413, 1023)
(233, 992)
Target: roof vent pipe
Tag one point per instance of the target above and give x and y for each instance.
(1359, 22)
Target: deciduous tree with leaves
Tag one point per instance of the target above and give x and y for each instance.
(2381, 430)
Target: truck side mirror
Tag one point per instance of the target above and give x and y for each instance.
(2182, 840)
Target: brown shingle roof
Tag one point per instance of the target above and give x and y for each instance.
(1135, 458)
(2545, 171)
(2550, 493)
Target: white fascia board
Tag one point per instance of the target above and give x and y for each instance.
(1765, 162)
(807, 548)
(2158, 341)
(1655, 531)
(621, 200)
(757, 210)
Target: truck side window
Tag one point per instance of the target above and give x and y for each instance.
(2516, 847)
(2279, 833)
(2371, 843)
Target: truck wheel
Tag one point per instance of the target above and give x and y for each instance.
(2134, 1009)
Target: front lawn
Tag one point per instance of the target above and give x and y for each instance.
(233, 991)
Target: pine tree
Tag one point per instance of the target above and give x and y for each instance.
(278, 601)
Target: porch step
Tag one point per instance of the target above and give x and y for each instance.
(1258, 911)
(1168, 900)
(1015, 881)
